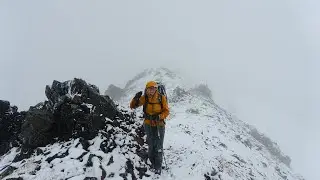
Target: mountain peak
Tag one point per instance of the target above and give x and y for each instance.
(170, 78)
(161, 72)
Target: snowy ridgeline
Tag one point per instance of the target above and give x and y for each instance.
(202, 141)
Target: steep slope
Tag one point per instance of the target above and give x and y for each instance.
(202, 141)
(202, 138)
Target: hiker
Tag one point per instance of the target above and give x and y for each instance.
(156, 110)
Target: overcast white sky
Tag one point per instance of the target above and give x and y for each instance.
(258, 57)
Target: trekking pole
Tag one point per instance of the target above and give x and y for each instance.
(164, 158)
(163, 155)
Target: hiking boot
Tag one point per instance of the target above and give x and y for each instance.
(157, 171)
(150, 163)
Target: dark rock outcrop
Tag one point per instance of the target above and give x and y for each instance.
(74, 109)
(10, 126)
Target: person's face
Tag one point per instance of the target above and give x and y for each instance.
(151, 91)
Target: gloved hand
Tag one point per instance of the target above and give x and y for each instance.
(159, 118)
(138, 95)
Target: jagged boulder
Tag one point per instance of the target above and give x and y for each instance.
(10, 126)
(74, 109)
(178, 94)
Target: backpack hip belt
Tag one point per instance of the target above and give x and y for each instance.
(152, 117)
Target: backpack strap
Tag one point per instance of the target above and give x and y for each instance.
(145, 104)
(160, 100)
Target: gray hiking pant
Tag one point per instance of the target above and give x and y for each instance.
(155, 144)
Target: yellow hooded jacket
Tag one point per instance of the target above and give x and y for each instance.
(153, 107)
